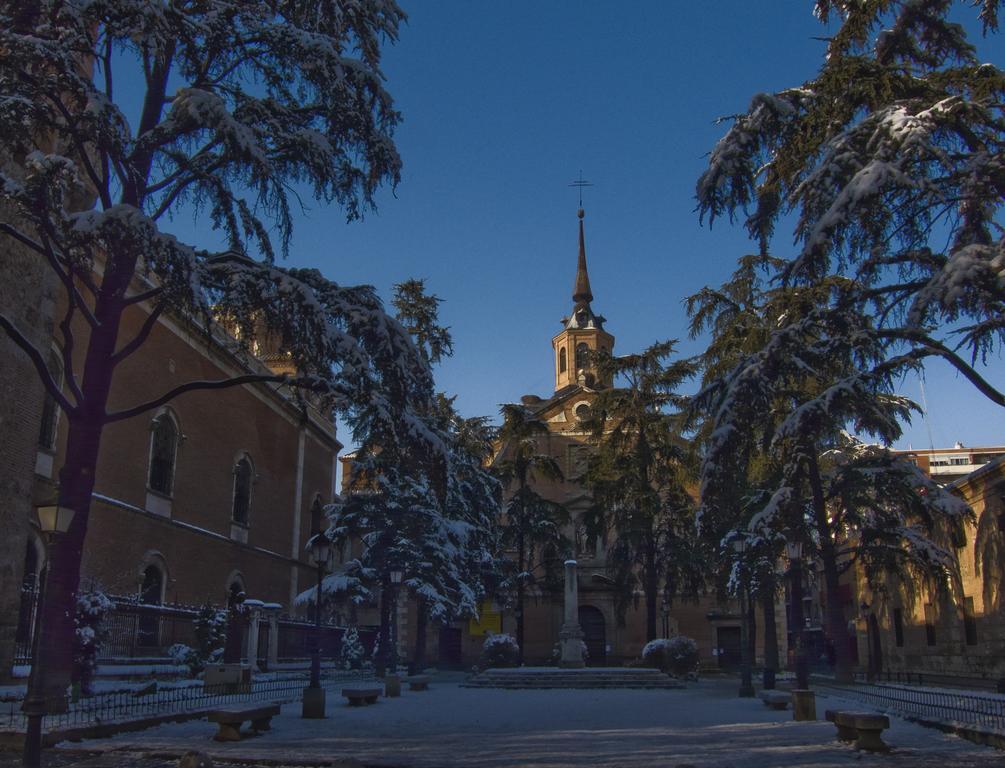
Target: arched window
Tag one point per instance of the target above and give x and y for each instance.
(582, 355)
(563, 361)
(50, 411)
(151, 594)
(163, 447)
(243, 475)
(582, 411)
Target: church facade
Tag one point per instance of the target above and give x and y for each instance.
(715, 626)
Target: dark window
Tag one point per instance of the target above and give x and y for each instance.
(162, 454)
(242, 490)
(1001, 522)
(898, 627)
(582, 354)
(148, 626)
(50, 411)
(563, 360)
(582, 411)
(930, 624)
(969, 621)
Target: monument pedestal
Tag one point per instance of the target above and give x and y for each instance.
(571, 634)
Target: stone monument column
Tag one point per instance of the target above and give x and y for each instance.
(571, 635)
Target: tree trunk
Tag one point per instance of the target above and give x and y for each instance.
(836, 625)
(650, 585)
(521, 566)
(752, 623)
(770, 631)
(384, 634)
(421, 625)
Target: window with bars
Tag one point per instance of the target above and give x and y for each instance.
(898, 627)
(930, 637)
(50, 411)
(163, 448)
(969, 621)
(243, 475)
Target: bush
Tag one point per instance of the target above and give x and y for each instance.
(89, 632)
(210, 637)
(352, 654)
(499, 651)
(677, 656)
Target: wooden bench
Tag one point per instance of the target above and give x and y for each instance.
(776, 699)
(231, 719)
(863, 728)
(418, 682)
(359, 696)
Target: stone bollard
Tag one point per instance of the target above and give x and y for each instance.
(392, 686)
(804, 704)
(193, 759)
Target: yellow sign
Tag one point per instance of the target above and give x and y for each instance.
(489, 621)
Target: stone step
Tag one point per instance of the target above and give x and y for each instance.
(544, 678)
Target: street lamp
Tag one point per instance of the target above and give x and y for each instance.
(53, 521)
(392, 652)
(320, 547)
(794, 550)
(746, 685)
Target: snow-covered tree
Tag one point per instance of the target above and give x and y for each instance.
(352, 654)
(429, 514)
(890, 165)
(637, 477)
(530, 533)
(823, 369)
(243, 108)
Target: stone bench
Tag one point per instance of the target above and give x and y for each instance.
(776, 699)
(359, 696)
(863, 728)
(230, 720)
(419, 682)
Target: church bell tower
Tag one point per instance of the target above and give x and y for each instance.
(582, 333)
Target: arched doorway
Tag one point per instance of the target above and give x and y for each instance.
(594, 634)
(151, 595)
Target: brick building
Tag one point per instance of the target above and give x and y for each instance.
(204, 495)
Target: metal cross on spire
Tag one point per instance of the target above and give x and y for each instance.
(580, 183)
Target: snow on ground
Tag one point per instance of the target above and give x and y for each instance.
(703, 726)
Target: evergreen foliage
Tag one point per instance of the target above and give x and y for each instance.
(531, 535)
(241, 103)
(637, 478)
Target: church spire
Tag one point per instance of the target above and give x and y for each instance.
(581, 292)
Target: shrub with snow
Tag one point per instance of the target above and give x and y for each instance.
(352, 654)
(499, 651)
(210, 636)
(92, 607)
(677, 656)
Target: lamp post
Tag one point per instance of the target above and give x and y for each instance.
(320, 547)
(794, 550)
(53, 521)
(392, 651)
(746, 684)
(870, 669)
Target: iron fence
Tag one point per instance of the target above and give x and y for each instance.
(938, 679)
(135, 630)
(986, 711)
(160, 700)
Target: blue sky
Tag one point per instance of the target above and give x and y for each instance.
(504, 103)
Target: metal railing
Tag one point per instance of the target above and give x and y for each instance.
(159, 700)
(983, 710)
(938, 679)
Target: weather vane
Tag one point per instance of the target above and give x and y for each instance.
(581, 184)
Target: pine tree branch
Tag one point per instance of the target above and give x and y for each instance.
(193, 386)
(934, 347)
(38, 361)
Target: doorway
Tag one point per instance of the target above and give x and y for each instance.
(591, 620)
(728, 642)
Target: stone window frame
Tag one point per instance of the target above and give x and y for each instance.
(164, 413)
(245, 458)
(47, 436)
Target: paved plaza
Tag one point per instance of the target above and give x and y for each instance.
(704, 726)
